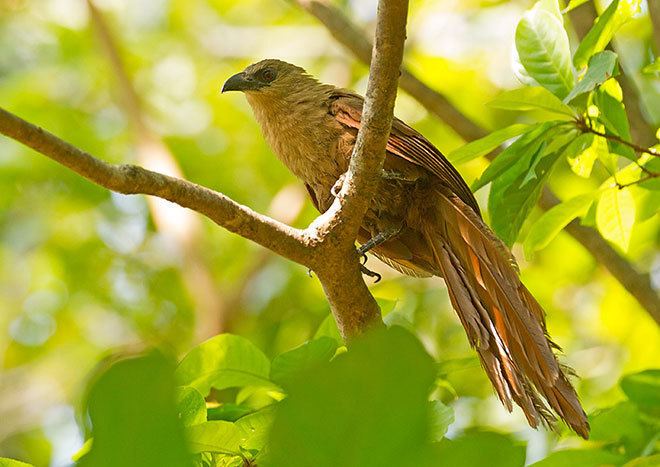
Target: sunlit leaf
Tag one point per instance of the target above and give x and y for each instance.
(554, 220)
(601, 68)
(652, 68)
(483, 146)
(582, 153)
(544, 50)
(530, 98)
(6, 462)
(303, 358)
(441, 417)
(216, 436)
(614, 16)
(190, 405)
(615, 216)
(224, 361)
(256, 426)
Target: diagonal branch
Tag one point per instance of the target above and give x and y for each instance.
(131, 179)
(328, 245)
(350, 36)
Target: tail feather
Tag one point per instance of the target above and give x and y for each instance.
(503, 321)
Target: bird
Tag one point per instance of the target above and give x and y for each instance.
(423, 221)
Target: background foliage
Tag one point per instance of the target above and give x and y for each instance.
(90, 281)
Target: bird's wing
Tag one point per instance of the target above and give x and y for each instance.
(406, 143)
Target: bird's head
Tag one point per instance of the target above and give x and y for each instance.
(271, 78)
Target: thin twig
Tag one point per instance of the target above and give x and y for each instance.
(585, 127)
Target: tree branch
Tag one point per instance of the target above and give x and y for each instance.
(328, 245)
(131, 179)
(346, 33)
(344, 217)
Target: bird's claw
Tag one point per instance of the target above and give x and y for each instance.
(363, 258)
(310, 273)
(370, 273)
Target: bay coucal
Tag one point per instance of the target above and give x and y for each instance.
(423, 221)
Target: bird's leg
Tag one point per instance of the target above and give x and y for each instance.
(374, 241)
(379, 239)
(399, 176)
(385, 175)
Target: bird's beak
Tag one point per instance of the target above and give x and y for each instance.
(241, 82)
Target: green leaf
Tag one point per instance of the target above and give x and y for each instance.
(528, 142)
(653, 165)
(554, 220)
(303, 358)
(582, 153)
(530, 98)
(482, 448)
(228, 412)
(620, 425)
(257, 426)
(544, 50)
(650, 461)
(514, 193)
(601, 68)
(368, 407)
(328, 328)
(224, 361)
(133, 415)
(614, 16)
(615, 216)
(190, 405)
(614, 118)
(581, 457)
(485, 145)
(652, 68)
(6, 462)
(216, 436)
(643, 388)
(441, 417)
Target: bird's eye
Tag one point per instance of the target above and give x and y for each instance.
(268, 75)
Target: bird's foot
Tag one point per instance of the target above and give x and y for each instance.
(370, 273)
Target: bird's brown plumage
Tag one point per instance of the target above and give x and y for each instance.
(312, 128)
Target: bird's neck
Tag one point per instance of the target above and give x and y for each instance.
(301, 132)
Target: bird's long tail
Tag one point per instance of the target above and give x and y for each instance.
(504, 323)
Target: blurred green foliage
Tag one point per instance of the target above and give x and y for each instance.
(85, 274)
